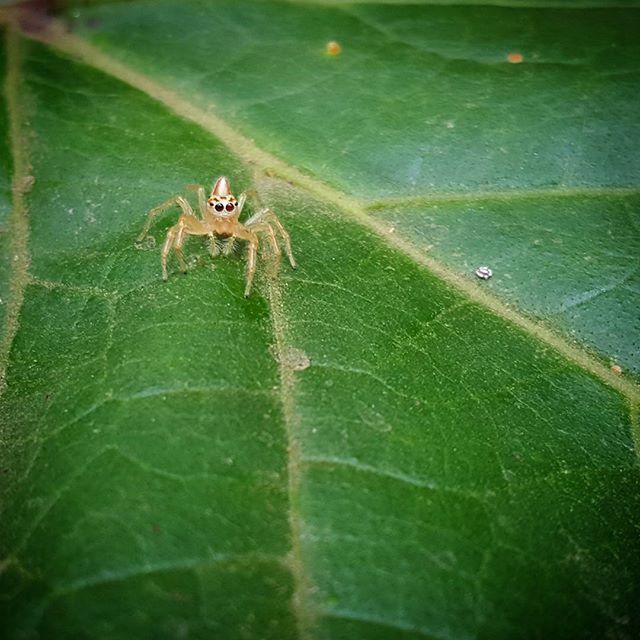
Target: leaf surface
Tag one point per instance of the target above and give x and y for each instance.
(423, 102)
(362, 449)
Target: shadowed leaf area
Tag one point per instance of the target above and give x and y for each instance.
(360, 449)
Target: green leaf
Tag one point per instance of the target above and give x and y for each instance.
(569, 260)
(374, 445)
(422, 103)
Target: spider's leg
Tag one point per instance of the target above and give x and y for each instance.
(256, 217)
(265, 227)
(179, 200)
(202, 202)
(269, 217)
(252, 239)
(241, 200)
(177, 246)
(166, 248)
(187, 225)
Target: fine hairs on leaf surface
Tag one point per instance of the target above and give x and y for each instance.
(377, 445)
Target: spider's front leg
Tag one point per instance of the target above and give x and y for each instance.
(262, 221)
(202, 201)
(187, 225)
(156, 211)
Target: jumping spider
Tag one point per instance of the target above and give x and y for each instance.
(220, 213)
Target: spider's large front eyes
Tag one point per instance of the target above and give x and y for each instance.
(230, 206)
(219, 206)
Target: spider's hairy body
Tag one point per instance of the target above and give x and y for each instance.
(220, 222)
(223, 228)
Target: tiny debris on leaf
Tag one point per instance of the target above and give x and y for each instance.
(333, 48)
(515, 57)
(484, 273)
(295, 359)
(616, 368)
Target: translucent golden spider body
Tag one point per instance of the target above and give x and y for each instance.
(220, 222)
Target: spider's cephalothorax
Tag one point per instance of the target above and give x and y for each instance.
(219, 221)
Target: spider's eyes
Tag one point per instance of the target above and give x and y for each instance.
(219, 206)
(230, 206)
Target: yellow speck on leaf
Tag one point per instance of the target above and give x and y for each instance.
(333, 48)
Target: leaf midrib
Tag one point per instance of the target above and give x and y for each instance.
(301, 584)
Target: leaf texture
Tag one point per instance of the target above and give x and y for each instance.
(423, 103)
(363, 448)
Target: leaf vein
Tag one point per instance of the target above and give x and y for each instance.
(401, 625)
(393, 474)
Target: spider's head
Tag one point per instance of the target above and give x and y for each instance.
(221, 202)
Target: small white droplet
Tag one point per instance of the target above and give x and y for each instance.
(484, 273)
